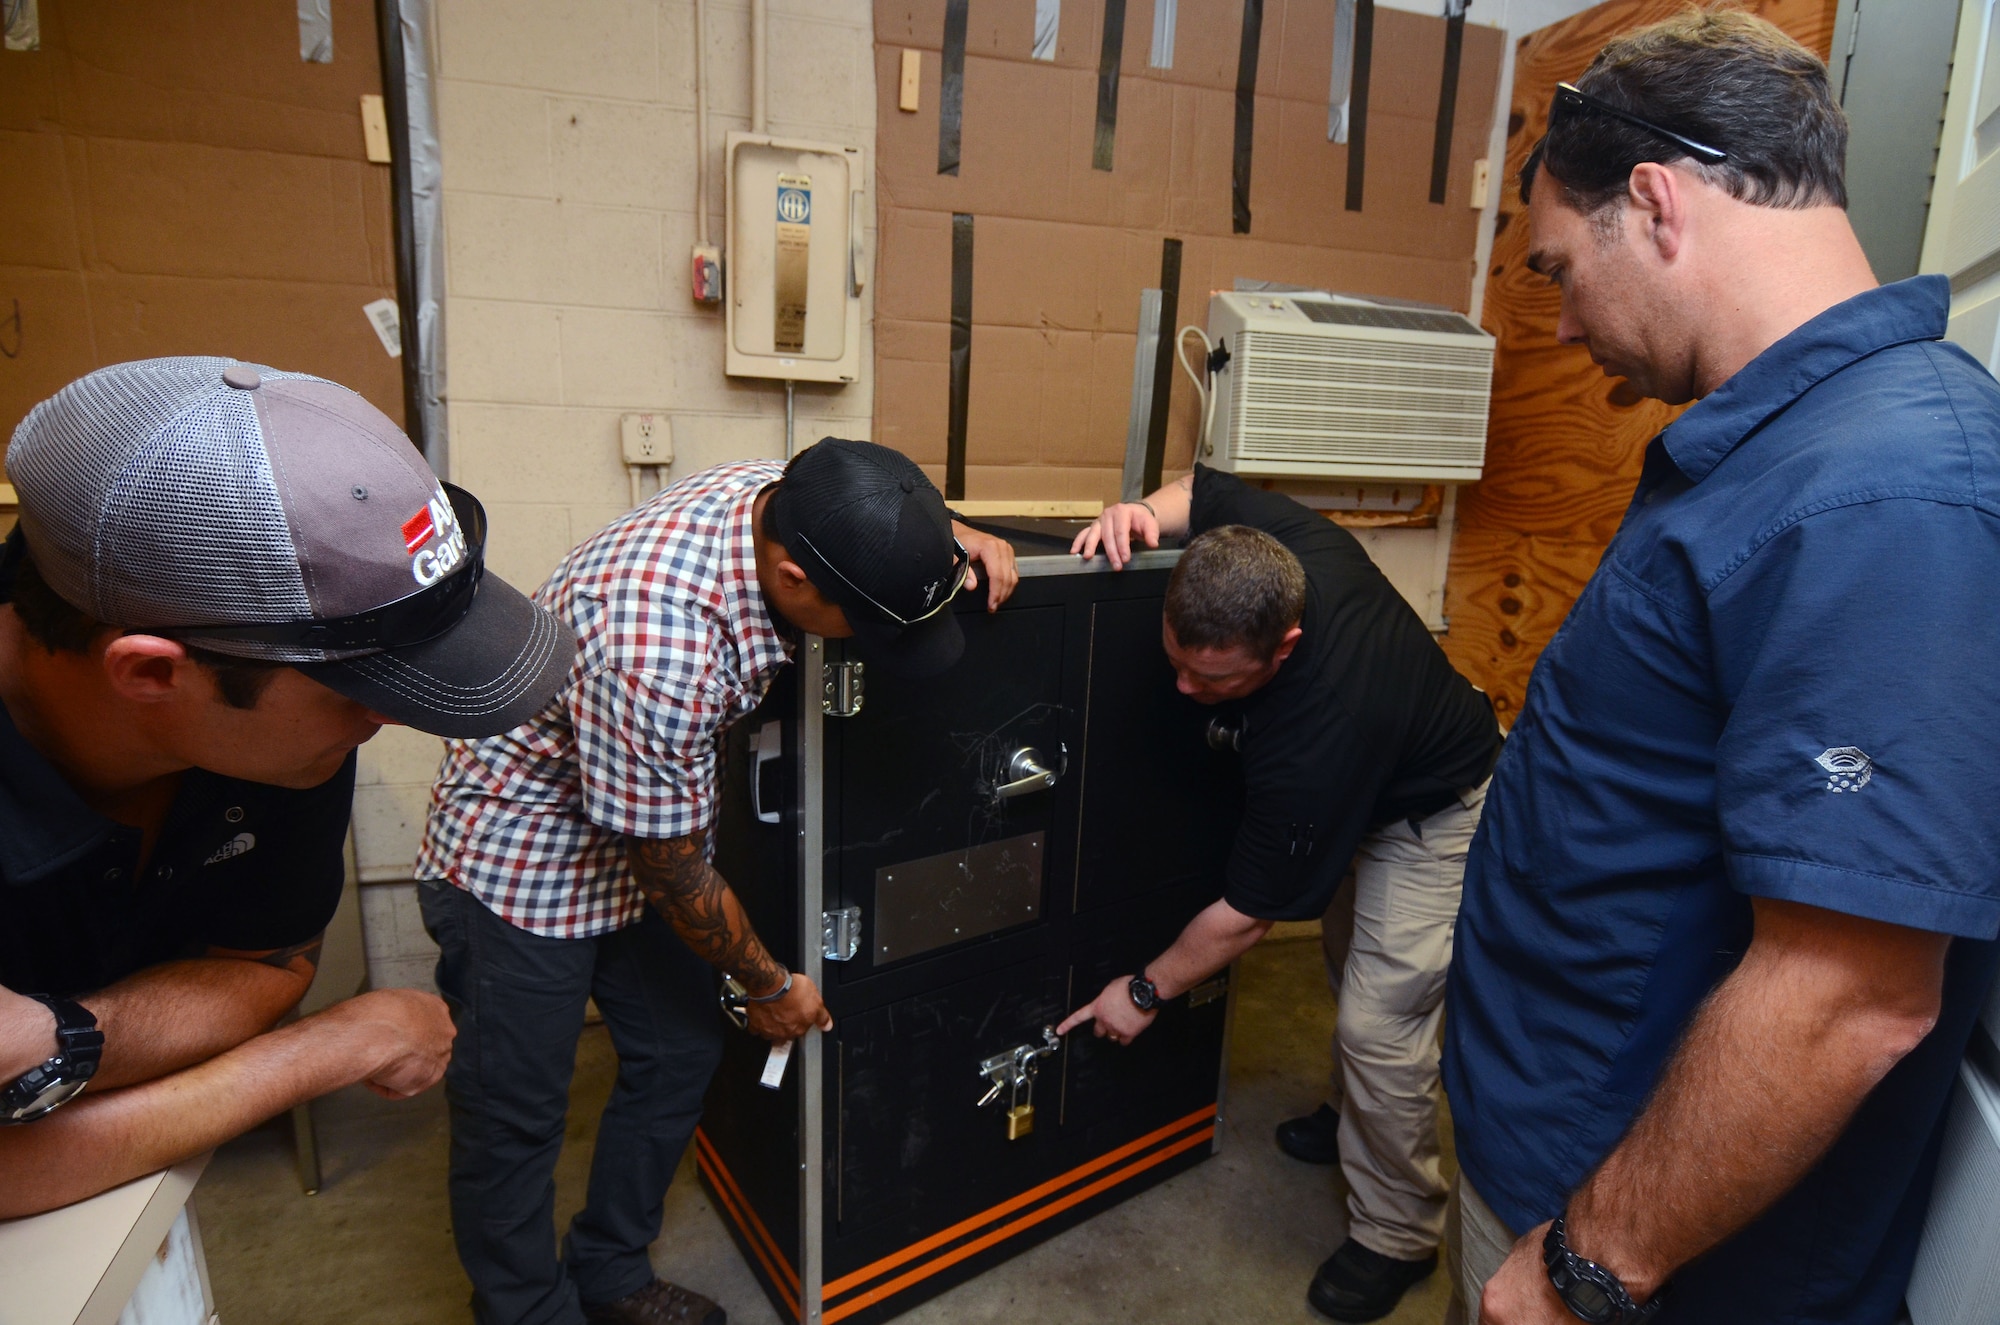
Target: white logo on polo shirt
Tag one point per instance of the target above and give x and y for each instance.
(1847, 768)
(234, 847)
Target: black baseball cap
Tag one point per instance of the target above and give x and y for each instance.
(872, 534)
(279, 516)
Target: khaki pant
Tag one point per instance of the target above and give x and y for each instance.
(1478, 1245)
(1387, 938)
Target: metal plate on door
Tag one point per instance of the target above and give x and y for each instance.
(957, 895)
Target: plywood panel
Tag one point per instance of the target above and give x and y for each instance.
(1564, 443)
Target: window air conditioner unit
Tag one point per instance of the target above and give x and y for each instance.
(1331, 386)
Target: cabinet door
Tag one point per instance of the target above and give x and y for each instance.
(932, 844)
(1159, 807)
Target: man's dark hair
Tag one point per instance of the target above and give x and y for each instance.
(1235, 587)
(1730, 81)
(59, 626)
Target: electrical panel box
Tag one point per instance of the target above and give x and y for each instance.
(796, 265)
(957, 864)
(1320, 385)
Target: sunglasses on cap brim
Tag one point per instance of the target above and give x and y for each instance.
(961, 562)
(1572, 100)
(416, 619)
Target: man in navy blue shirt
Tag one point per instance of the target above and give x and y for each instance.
(1733, 904)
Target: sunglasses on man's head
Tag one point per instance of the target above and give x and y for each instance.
(1572, 100)
(961, 561)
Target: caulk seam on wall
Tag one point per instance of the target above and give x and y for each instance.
(1357, 128)
(961, 355)
(1109, 56)
(1246, 114)
(951, 91)
(1454, 49)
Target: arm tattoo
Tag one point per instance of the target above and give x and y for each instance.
(682, 886)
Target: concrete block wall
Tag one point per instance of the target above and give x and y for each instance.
(567, 139)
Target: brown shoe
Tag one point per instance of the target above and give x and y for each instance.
(658, 1303)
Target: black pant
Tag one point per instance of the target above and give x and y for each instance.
(518, 1001)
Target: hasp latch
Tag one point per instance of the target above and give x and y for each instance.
(1014, 1072)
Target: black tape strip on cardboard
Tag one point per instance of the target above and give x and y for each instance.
(1163, 362)
(1357, 128)
(951, 95)
(1109, 56)
(1246, 117)
(1454, 49)
(961, 355)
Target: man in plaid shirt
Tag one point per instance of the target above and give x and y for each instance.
(568, 859)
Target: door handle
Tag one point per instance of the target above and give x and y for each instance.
(766, 745)
(1026, 773)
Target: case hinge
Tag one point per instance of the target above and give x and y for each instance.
(843, 690)
(840, 934)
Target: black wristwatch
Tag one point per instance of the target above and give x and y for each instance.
(1591, 1292)
(79, 1046)
(1144, 995)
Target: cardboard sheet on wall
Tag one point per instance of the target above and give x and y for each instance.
(178, 181)
(1064, 248)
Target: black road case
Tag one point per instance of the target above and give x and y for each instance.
(958, 863)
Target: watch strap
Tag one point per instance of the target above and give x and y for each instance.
(76, 1025)
(1572, 1276)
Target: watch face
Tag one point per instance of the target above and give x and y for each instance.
(46, 1099)
(1590, 1301)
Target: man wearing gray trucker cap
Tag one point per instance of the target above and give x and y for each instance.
(224, 579)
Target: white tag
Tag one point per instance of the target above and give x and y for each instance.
(774, 1066)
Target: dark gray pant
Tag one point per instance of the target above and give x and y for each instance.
(518, 1000)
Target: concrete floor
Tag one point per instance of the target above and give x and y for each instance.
(1236, 1239)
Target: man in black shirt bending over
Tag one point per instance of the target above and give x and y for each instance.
(1361, 748)
(225, 578)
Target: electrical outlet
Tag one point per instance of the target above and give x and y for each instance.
(648, 439)
(705, 273)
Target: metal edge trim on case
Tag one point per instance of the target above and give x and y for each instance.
(915, 1250)
(812, 900)
(1062, 563)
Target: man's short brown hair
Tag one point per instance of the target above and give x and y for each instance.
(1235, 587)
(1727, 80)
(59, 626)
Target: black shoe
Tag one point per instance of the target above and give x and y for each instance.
(1356, 1284)
(658, 1303)
(1314, 1138)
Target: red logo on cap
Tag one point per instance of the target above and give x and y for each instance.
(417, 530)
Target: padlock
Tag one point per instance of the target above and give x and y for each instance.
(1020, 1121)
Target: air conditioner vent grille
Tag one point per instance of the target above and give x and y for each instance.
(1319, 399)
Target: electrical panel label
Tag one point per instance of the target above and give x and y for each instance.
(794, 251)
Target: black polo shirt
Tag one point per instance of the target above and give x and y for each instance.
(237, 865)
(1365, 724)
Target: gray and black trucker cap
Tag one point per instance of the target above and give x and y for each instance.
(872, 533)
(279, 516)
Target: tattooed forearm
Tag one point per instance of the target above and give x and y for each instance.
(682, 886)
